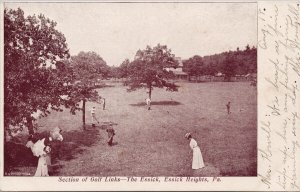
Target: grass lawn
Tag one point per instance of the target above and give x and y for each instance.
(152, 143)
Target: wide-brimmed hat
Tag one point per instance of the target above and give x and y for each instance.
(56, 134)
(187, 135)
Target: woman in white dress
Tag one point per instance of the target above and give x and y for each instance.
(42, 168)
(197, 156)
(42, 149)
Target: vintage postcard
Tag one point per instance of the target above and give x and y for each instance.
(150, 95)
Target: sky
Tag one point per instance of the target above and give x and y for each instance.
(117, 30)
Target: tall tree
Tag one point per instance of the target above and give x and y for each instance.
(148, 69)
(88, 68)
(32, 49)
(229, 67)
(123, 71)
(114, 72)
(209, 69)
(194, 66)
(123, 68)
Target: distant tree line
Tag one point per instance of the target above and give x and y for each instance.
(230, 63)
(239, 62)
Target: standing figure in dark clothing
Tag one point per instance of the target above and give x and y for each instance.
(110, 133)
(228, 107)
(103, 103)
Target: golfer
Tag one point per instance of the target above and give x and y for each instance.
(148, 103)
(197, 156)
(94, 119)
(228, 107)
(110, 133)
(103, 103)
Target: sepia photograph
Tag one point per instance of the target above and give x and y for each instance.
(142, 89)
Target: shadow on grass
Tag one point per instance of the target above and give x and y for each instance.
(103, 86)
(140, 104)
(73, 144)
(105, 125)
(113, 144)
(17, 156)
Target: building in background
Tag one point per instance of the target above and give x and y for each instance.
(177, 70)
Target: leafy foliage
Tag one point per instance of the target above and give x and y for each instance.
(123, 69)
(194, 66)
(230, 63)
(86, 68)
(147, 70)
(32, 51)
(229, 67)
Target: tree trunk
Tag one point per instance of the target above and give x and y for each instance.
(29, 125)
(150, 91)
(83, 113)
